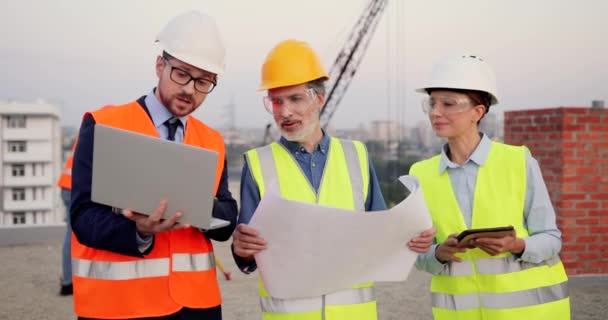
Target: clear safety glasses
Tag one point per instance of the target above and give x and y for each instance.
(296, 102)
(445, 105)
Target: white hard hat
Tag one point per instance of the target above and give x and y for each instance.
(466, 72)
(193, 38)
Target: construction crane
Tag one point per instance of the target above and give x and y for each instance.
(348, 60)
(345, 66)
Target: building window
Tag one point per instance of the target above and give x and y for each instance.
(33, 169)
(34, 189)
(18, 217)
(19, 194)
(18, 170)
(16, 146)
(16, 121)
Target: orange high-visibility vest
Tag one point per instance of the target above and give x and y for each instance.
(180, 269)
(65, 179)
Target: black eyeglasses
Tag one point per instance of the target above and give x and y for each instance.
(182, 77)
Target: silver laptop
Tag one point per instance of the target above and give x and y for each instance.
(136, 171)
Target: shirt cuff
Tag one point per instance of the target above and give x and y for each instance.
(143, 244)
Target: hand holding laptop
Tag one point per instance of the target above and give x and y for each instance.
(148, 225)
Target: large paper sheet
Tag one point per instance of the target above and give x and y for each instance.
(314, 250)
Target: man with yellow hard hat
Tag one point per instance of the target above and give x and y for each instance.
(307, 165)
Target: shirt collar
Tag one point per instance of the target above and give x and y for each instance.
(158, 112)
(479, 155)
(294, 147)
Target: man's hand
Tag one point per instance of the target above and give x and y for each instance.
(423, 242)
(496, 246)
(247, 241)
(154, 223)
(445, 251)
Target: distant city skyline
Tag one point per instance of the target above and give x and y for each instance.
(81, 55)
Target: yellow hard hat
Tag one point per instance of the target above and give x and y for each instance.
(289, 63)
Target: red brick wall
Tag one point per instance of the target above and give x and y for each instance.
(571, 146)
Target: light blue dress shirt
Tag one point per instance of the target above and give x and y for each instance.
(160, 114)
(544, 240)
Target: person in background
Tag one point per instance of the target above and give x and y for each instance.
(65, 184)
(478, 183)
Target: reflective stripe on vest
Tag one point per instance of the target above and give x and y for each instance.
(193, 262)
(127, 270)
(67, 171)
(505, 300)
(493, 266)
(343, 297)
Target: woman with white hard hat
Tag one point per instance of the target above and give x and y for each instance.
(476, 183)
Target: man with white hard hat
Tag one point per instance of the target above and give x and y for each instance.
(128, 265)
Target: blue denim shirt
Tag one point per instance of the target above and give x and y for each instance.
(544, 240)
(312, 164)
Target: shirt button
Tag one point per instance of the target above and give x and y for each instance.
(313, 165)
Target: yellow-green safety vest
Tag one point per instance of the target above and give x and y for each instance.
(344, 184)
(484, 286)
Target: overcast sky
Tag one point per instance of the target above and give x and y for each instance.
(82, 55)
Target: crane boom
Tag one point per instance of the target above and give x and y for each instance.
(345, 66)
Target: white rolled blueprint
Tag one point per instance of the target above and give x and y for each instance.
(314, 250)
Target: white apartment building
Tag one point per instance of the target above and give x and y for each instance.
(30, 164)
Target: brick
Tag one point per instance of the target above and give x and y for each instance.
(586, 170)
(567, 256)
(599, 145)
(570, 119)
(593, 153)
(587, 136)
(573, 144)
(550, 127)
(524, 120)
(596, 213)
(588, 187)
(587, 205)
(602, 264)
(587, 221)
(564, 204)
(572, 213)
(575, 110)
(573, 196)
(598, 246)
(573, 248)
(531, 128)
(571, 178)
(590, 119)
(599, 196)
(574, 264)
(566, 221)
(567, 136)
(571, 231)
(598, 127)
(597, 178)
(588, 256)
(542, 119)
(573, 127)
(587, 239)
